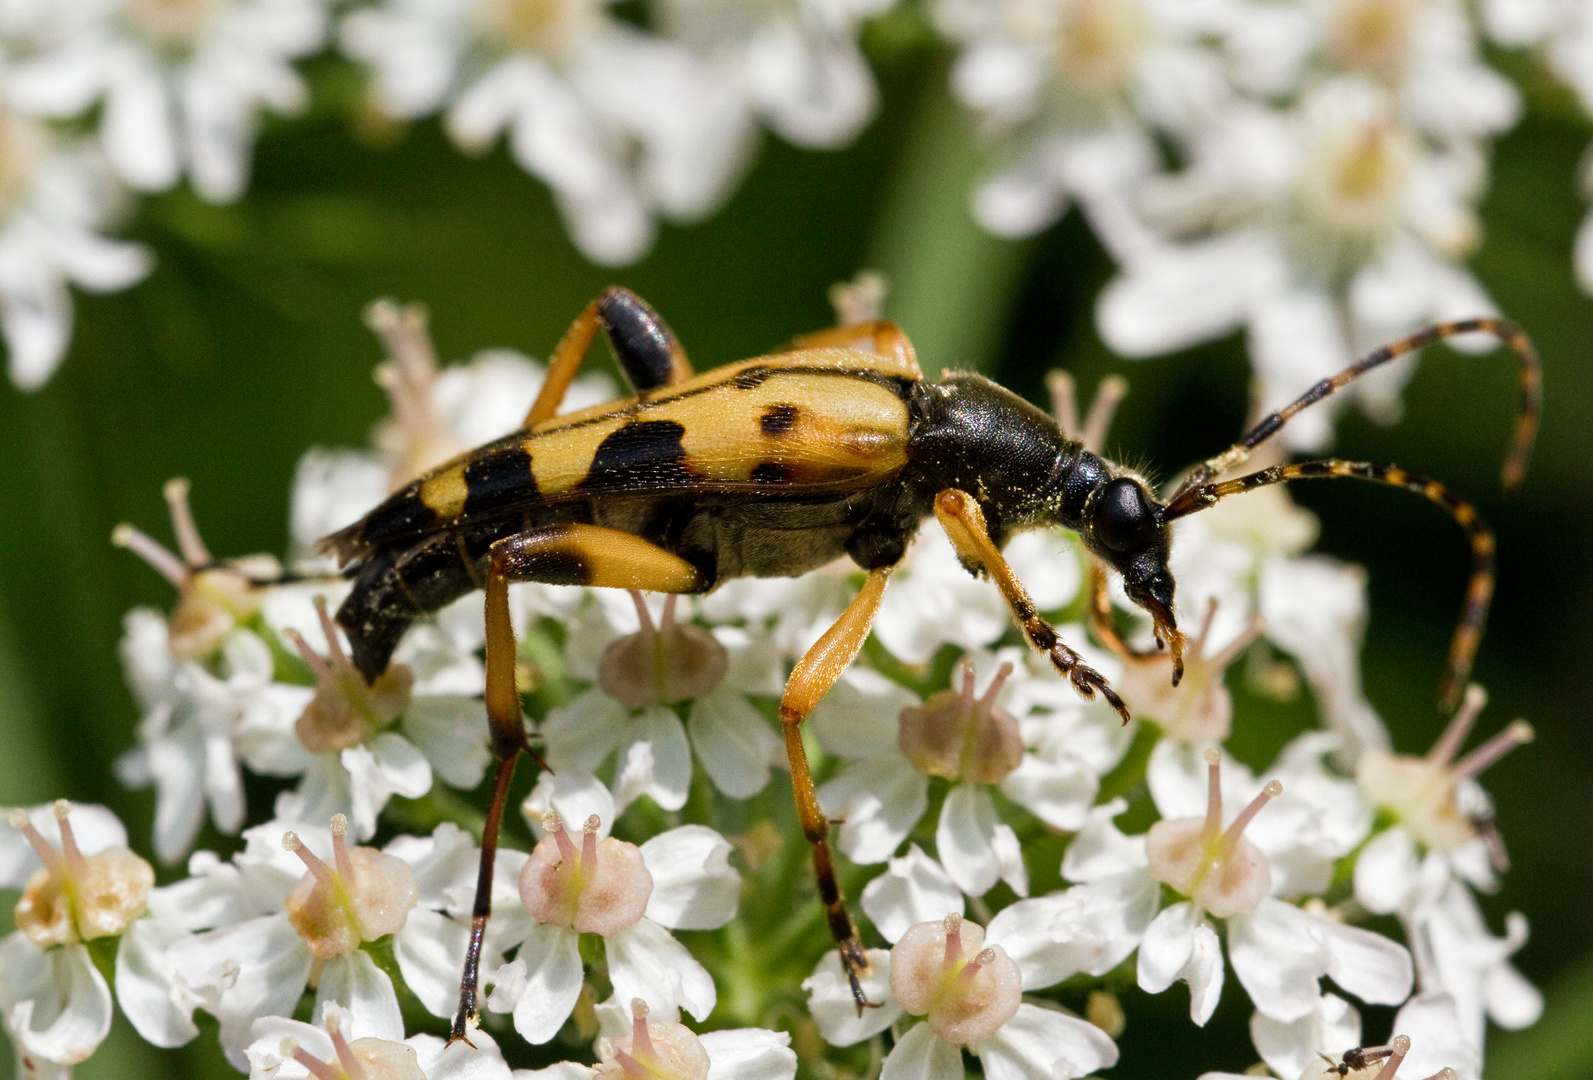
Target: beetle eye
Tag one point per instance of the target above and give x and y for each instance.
(1124, 519)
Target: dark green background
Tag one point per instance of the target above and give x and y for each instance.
(246, 346)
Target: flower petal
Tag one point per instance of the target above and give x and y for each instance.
(646, 962)
(877, 802)
(243, 972)
(575, 796)
(1290, 1048)
(913, 889)
(1050, 938)
(452, 732)
(68, 1014)
(654, 760)
(976, 848)
(748, 1054)
(430, 951)
(1279, 955)
(552, 959)
(733, 741)
(145, 987)
(694, 886)
(1040, 1042)
(1370, 966)
(1059, 793)
(922, 1055)
(354, 982)
(832, 1008)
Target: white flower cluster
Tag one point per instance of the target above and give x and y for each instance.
(1305, 170)
(632, 696)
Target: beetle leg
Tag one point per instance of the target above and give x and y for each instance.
(648, 352)
(810, 680)
(1098, 609)
(556, 555)
(964, 523)
(881, 337)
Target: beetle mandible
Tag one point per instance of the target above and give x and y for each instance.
(775, 466)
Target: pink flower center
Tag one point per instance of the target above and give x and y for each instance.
(955, 735)
(1420, 791)
(1199, 708)
(345, 710)
(601, 887)
(1217, 868)
(661, 665)
(362, 1059)
(655, 1050)
(76, 897)
(965, 992)
(362, 896)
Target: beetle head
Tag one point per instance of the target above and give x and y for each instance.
(1127, 529)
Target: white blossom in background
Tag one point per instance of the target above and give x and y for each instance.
(285, 1049)
(622, 125)
(204, 684)
(56, 198)
(1075, 91)
(797, 61)
(180, 84)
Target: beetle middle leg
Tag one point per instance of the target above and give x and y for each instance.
(647, 350)
(810, 680)
(964, 523)
(556, 555)
(880, 337)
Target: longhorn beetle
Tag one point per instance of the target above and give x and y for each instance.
(774, 466)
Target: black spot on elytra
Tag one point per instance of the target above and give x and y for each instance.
(645, 454)
(771, 472)
(498, 478)
(778, 419)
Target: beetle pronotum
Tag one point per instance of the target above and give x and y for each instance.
(777, 465)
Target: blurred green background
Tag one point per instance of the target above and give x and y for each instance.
(246, 346)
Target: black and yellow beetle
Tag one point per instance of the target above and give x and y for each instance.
(775, 466)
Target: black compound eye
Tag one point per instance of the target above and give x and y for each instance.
(1124, 520)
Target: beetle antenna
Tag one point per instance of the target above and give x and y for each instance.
(1529, 375)
(1479, 590)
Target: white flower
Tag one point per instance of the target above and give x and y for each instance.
(1279, 951)
(79, 883)
(1080, 85)
(286, 1049)
(203, 683)
(620, 124)
(1289, 1048)
(180, 85)
(895, 746)
(1325, 229)
(797, 61)
(55, 198)
(642, 669)
(631, 897)
(349, 732)
(271, 927)
(969, 990)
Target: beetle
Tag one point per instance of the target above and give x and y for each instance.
(834, 446)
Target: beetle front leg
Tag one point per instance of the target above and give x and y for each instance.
(964, 523)
(810, 680)
(555, 555)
